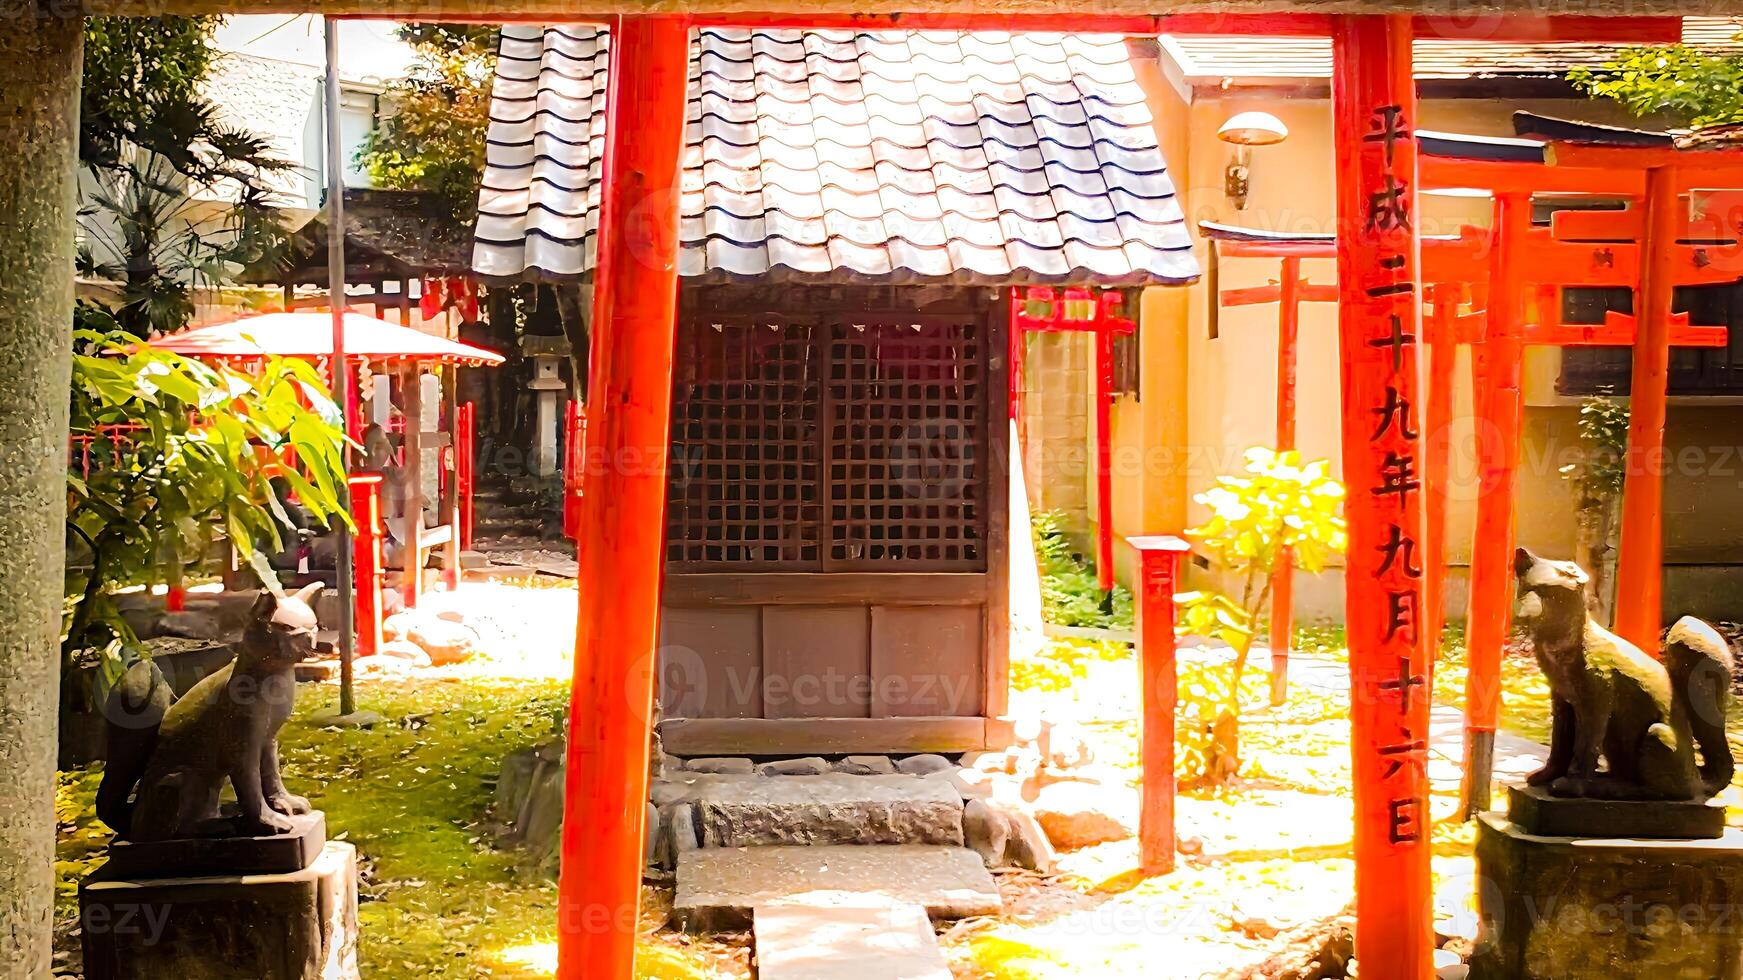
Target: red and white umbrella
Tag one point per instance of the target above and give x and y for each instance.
(310, 334)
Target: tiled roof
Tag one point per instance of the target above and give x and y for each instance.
(834, 155)
(1212, 59)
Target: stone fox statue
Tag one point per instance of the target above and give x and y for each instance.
(1645, 717)
(168, 761)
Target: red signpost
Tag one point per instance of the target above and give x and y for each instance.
(1379, 323)
(621, 546)
(574, 443)
(465, 433)
(1158, 574)
(366, 565)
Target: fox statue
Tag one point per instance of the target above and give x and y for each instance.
(1644, 717)
(169, 758)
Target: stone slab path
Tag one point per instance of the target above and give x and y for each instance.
(1515, 757)
(719, 887)
(847, 937)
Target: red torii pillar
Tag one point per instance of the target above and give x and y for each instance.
(1289, 292)
(1283, 574)
(622, 529)
(1497, 370)
(1640, 563)
(1443, 356)
(1374, 118)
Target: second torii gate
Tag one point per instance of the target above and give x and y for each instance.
(1483, 268)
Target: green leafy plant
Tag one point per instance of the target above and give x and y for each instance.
(1070, 594)
(163, 448)
(176, 199)
(1597, 478)
(1695, 87)
(1281, 510)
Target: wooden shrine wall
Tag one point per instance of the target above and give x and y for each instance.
(836, 520)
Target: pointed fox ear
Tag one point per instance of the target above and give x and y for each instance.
(265, 604)
(308, 592)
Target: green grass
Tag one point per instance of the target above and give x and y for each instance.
(439, 900)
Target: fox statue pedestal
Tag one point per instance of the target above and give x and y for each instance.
(298, 924)
(1582, 908)
(1614, 861)
(196, 890)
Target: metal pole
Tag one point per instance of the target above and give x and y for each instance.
(341, 368)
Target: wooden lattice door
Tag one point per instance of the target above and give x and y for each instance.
(905, 404)
(747, 469)
(829, 444)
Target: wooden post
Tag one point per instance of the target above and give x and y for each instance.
(412, 466)
(1104, 435)
(1283, 576)
(1639, 564)
(1379, 322)
(1158, 572)
(366, 561)
(1498, 363)
(621, 551)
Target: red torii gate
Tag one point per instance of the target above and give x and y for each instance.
(620, 546)
(1078, 309)
(1446, 259)
(1577, 249)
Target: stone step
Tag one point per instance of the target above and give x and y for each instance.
(718, 888)
(846, 936)
(833, 808)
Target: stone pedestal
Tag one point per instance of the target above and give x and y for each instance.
(1574, 908)
(300, 925)
(1538, 813)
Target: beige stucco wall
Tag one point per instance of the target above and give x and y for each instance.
(1207, 399)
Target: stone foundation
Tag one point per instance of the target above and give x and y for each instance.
(298, 926)
(1563, 908)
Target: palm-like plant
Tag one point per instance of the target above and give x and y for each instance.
(184, 209)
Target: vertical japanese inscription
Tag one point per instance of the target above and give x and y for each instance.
(1380, 330)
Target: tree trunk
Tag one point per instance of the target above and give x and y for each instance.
(39, 110)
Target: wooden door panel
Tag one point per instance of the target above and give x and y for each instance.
(816, 662)
(711, 662)
(927, 661)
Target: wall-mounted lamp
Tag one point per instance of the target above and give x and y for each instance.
(1247, 130)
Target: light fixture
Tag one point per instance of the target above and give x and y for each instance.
(1247, 130)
